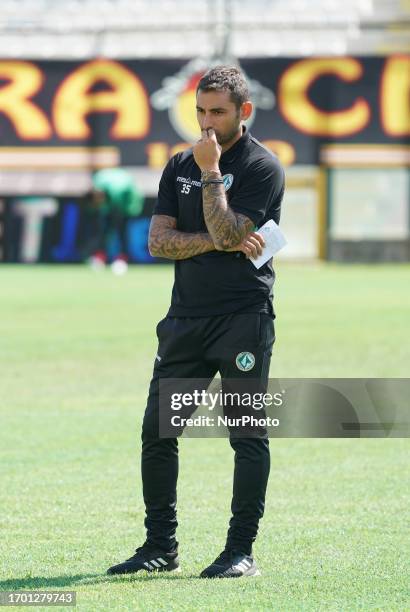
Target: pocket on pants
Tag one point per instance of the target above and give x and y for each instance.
(252, 329)
(244, 330)
(159, 326)
(266, 329)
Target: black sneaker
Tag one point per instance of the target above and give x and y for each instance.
(149, 559)
(231, 564)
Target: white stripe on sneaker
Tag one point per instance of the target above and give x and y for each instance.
(248, 563)
(148, 565)
(161, 560)
(155, 563)
(240, 566)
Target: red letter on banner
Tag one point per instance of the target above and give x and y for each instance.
(127, 98)
(302, 114)
(395, 96)
(26, 79)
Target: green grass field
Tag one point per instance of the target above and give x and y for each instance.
(76, 352)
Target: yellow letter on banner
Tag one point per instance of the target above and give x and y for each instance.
(25, 79)
(284, 150)
(127, 98)
(395, 96)
(300, 112)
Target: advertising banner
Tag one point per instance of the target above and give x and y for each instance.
(61, 120)
(44, 229)
(139, 112)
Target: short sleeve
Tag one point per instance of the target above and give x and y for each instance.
(167, 201)
(261, 192)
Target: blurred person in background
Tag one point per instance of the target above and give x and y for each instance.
(114, 197)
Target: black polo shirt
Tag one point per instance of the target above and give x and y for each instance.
(217, 283)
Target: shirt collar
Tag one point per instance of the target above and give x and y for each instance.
(230, 155)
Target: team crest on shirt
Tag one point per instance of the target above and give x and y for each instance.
(245, 361)
(228, 180)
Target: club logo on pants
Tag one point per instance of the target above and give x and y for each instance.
(245, 361)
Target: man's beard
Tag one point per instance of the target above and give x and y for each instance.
(226, 138)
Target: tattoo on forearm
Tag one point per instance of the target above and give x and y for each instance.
(166, 241)
(226, 228)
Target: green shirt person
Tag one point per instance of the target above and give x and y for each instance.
(118, 191)
(116, 197)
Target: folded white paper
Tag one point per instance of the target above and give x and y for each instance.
(274, 242)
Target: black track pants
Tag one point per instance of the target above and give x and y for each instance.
(199, 347)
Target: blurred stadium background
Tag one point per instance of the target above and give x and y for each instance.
(88, 84)
(94, 83)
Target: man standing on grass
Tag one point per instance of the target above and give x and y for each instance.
(211, 198)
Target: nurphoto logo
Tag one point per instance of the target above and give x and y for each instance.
(245, 361)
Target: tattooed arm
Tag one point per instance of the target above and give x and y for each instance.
(166, 241)
(226, 228)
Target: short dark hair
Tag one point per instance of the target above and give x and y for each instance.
(226, 78)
